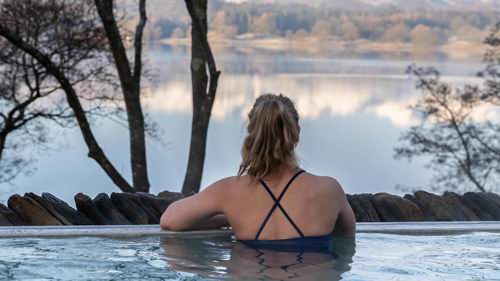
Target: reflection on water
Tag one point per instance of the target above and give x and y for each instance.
(353, 111)
(230, 260)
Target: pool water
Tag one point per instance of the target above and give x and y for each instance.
(374, 257)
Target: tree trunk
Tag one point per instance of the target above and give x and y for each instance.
(201, 118)
(3, 139)
(204, 88)
(130, 82)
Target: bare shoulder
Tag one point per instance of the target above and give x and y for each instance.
(328, 185)
(334, 184)
(229, 183)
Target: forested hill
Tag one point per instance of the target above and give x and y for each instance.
(401, 4)
(169, 8)
(424, 22)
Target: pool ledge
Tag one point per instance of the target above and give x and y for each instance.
(405, 228)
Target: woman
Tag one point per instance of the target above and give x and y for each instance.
(271, 201)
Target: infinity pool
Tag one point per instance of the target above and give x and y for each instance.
(375, 257)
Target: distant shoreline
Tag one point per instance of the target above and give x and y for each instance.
(455, 49)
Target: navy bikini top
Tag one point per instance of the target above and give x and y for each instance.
(299, 244)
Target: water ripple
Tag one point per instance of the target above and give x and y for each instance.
(377, 257)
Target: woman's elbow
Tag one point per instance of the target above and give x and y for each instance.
(168, 222)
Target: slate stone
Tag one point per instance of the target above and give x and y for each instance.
(144, 208)
(11, 216)
(477, 205)
(4, 221)
(31, 212)
(130, 209)
(434, 207)
(44, 203)
(106, 207)
(490, 204)
(69, 213)
(147, 205)
(394, 208)
(85, 205)
(493, 197)
(171, 196)
(158, 203)
(363, 208)
(462, 212)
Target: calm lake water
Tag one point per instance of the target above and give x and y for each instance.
(353, 109)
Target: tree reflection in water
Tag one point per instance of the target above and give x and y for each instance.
(222, 258)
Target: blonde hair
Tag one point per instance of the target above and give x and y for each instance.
(272, 135)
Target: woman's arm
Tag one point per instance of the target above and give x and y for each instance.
(345, 226)
(346, 221)
(215, 222)
(196, 212)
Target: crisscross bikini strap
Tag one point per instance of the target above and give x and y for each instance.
(278, 205)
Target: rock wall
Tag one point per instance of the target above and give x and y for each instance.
(425, 206)
(143, 208)
(117, 209)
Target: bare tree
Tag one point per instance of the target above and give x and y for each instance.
(130, 81)
(24, 94)
(463, 150)
(65, 40)
(204, 87)
(491, 73)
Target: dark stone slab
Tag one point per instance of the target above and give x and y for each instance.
(490, 204)
(144, 208)
(160, 204)
(363, 208)
(69, 213)
(411, 197)
(171, 196)
(435, 207)
(394, 208)
(129, 207)
(44, 203)
(462, 212)
(493, 197)
(478, 205)
(106, 207)
(31, 212)
(11, 216)
(4, 221)
(147, 205)
(85, 205)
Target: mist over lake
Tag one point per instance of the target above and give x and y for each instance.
(353, 109)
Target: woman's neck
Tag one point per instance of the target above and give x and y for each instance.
(277, 173)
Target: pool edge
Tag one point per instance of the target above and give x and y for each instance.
(403, 228)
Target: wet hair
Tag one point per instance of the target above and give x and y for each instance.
(272, 135)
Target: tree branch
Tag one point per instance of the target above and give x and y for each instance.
(139, 31)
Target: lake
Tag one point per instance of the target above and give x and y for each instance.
(353, 109)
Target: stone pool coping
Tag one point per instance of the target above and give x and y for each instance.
(405, 228)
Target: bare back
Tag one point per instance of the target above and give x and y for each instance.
(313, 203)
(312, 206)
